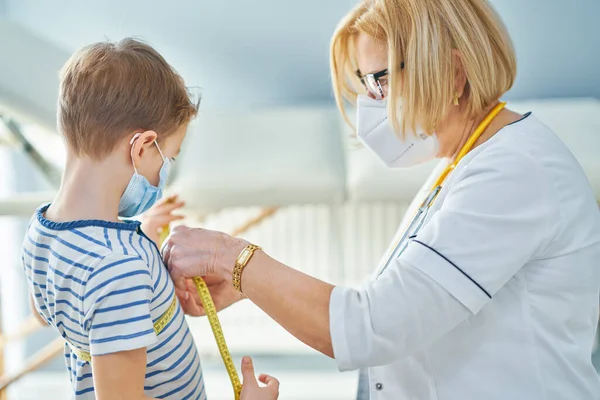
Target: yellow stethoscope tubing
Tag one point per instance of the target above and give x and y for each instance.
(437, 186)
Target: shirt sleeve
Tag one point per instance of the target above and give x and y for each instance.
(117, 305)
(394, 316)
(497, 216)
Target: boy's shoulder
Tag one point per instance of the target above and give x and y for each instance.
(88, 244)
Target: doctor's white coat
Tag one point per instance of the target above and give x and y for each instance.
(497, 295)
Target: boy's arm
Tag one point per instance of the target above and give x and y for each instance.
(116, 306)
(120, 376)
(34, 311)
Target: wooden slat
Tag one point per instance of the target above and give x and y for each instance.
(264, 214)
(45, 355)
(29, 326)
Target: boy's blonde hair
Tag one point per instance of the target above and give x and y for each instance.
(108, 91)
(423, 34)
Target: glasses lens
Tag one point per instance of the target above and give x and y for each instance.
(373, 87)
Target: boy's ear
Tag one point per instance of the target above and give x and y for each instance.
(146, 137)
(140, 142)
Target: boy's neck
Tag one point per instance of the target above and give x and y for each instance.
(89, 190)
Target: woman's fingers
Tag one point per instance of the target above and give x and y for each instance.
(182, 295)
(188, 304)
(193, 291)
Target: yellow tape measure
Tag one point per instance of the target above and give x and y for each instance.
(215, 325)
(159, 325)
(166, 317)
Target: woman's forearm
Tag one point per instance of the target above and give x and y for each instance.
(302, 302)
(295, 300)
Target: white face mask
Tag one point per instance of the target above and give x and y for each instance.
(377, 133)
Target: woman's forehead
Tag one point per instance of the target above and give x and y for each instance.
(371, 54)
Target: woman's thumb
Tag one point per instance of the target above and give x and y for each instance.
(248, 372)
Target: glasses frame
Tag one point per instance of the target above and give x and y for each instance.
(372, 84)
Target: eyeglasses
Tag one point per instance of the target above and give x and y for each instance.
(375, 84)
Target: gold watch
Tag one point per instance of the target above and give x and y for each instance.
(240, 264)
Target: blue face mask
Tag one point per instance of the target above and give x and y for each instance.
(140, 195)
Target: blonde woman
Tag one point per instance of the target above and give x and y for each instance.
(490, 288)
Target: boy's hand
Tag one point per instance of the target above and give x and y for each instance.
(251, 390)
(160, 215)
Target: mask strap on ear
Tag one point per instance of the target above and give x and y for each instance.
(159, 151)
(133, 139)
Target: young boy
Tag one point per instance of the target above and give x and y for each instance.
(123, 112)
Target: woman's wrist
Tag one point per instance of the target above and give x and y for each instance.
(230, 251)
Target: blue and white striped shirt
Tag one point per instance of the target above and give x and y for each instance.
(102, 285)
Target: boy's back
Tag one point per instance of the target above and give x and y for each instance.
(103, 285)
(123, 112)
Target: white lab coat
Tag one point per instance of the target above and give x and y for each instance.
(497, 295)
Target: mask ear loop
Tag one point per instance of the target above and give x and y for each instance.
(133, 139)
(159, 151)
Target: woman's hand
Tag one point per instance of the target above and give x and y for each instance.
(298, 302)
(221, 291)
(251, 390)
(190, 252)
(159, 216)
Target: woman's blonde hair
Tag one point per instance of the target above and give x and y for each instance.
(424, 34)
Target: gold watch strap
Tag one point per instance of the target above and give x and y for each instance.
(241, 263)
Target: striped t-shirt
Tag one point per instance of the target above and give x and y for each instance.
(102, 285)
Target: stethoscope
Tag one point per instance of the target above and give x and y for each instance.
(418, 220)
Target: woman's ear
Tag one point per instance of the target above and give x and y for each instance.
(460, 77)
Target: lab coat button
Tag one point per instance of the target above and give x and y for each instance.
(379, 386)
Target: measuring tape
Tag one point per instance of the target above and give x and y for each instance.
(215, 325)
(159, 325)
(213, 319)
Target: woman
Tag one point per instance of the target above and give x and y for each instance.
(491, 290)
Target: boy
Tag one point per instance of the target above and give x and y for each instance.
(123, 112)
